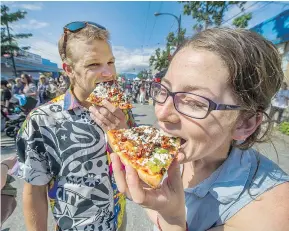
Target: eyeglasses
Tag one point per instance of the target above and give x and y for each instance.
(189, 104)
(75, 27)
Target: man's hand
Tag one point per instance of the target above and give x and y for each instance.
(108, 116)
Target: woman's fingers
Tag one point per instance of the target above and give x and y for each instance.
(174, 179)
(135, 186)
(119, 174)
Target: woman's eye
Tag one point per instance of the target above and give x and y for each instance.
(110, 63)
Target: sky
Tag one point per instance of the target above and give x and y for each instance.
(135, 31)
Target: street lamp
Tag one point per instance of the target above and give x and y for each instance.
(178, 20)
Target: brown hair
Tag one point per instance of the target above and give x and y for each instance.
(255, 70)
(89, 33)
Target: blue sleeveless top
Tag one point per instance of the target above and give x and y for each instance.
(237, 182)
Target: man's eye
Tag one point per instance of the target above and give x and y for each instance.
(110, 63)
(94, 65)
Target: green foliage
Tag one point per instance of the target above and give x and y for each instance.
(242, 21)
(284, 128)
(144, 74)
(8, 40)
(208, 13)
(160, 60)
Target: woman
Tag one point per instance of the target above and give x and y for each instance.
(30, 91)
(42, 89)
(214, 97)
(62, 85)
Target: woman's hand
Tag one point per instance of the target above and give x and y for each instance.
(108, 116)
(9, 162)
(168, 200)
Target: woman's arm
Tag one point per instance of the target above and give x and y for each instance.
(270, 211)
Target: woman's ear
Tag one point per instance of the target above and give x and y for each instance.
(247, 126)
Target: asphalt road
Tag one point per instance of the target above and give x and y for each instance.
(136, 217)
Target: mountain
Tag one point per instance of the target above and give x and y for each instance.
(128, 75)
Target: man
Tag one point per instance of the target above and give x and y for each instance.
(62, 145)
(18, 87)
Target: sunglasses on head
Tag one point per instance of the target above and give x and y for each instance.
(75, 27)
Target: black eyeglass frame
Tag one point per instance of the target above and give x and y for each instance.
(212, 105)
(66, 29)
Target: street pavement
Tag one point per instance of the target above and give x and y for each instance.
(136, 217)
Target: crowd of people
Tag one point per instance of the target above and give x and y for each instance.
(214, 97)
(137, 90)
(35, 93)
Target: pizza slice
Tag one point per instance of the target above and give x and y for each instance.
(146, 149)
(111, 92)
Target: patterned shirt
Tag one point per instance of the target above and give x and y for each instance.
(59, 145)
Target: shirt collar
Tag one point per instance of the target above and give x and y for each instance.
(70, 101)
(228, 181)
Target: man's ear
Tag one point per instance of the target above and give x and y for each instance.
(67, 69)
(247, 126)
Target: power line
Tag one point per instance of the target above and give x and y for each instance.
(242, 12)
(155, 23)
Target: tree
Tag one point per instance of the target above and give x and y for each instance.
(242, 21)
(9, 43)
(208, 13)
(144, 74)
(160, 60)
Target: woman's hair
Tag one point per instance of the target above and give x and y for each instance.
(42, 79)
(254, 66)
(27, 77)
(89, 33)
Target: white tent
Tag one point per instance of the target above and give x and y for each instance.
(136, 78)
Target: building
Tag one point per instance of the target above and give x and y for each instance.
(29, 63)
(276, 30)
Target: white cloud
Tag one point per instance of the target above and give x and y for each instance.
(27, 6)
(127, 60)
(31, 25)
(131, 60)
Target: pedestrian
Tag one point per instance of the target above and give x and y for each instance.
(42, 89)
(18, 87)
(8, 193)
(52, 89)
(30, 91)
(142, 93)
(62, 145)
(280, 103)
(214, 97)
(5, 96)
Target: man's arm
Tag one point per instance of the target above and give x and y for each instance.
(35, 207)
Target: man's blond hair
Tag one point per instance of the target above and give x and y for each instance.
(89, 33)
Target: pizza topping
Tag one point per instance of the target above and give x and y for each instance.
(111, 92)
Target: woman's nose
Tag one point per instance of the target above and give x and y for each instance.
(167, 111)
